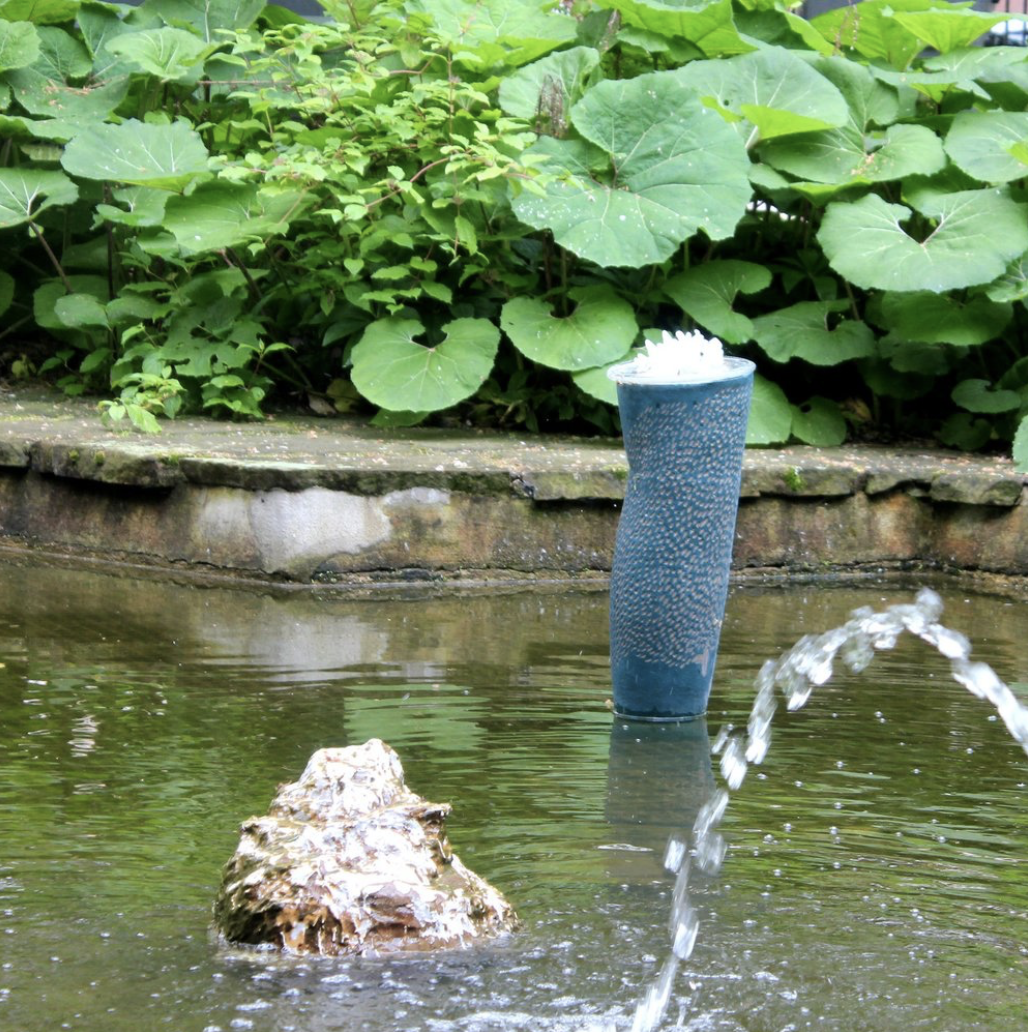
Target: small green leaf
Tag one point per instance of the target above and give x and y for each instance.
(395, 372)
(19, 44)
(977, 232)
(707, 292)
(1020, 452)
(819, 422)
(95, 360)
(804, 331)
(600, 329)
(25, 192)
(965, 431)
(980, 396)
(770, 419)
(138, 153)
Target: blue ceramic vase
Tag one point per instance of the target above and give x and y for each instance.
(669, 582)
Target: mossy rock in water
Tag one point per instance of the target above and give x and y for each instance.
(349, 860)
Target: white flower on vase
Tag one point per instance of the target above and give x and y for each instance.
(676, 357)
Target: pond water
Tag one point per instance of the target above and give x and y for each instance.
(876, 878)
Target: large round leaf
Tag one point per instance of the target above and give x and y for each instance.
(487, 32)
(670, 166)
(949, 26)
(979, 396)
(395, 372)
(19, 44)
(600, 329)
(707, 24)
(707, 292)
(931, 318)
(208, 17)
(171, 55)
(977, 232)
(803, 331)
(25, 192)
(137, 153)
(40, 12)
(219, 215)
(844, 155)
(768, 93)
(979, 142)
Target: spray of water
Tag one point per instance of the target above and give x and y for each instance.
(809, 663)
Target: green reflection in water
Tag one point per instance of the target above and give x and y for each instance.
(876, 874)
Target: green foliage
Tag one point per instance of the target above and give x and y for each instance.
(427, 205)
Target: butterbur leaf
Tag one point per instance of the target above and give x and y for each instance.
(819, 422)
(597, 384)
(965, 431)
(870, 29)
(1013, 284)
(706, 24)
(19, 44)
(770, 420)
(980, 396)
(514, 32)
(395, 372)
(546, 89)
(803, 331)
(843, 156)
(600, 329)
(657, 166)
(171, 55)
(948, 27)
(25, 192)
(768, 93)
(138, 153)
(219, 215)
(977, 232)
(207, 17)
(931, 318)
(981, 143)
(707, 292)
(40, 12)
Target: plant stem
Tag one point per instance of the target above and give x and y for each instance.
(53, 258)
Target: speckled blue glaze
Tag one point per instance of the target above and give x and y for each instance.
(669, 582)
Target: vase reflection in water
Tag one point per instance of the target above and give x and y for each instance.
(684, 409)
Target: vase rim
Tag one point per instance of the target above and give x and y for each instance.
(731, 368)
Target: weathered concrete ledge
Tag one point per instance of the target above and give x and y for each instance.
(313, 501)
